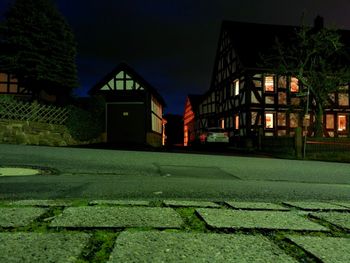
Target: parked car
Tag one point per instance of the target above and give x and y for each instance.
(214, 135)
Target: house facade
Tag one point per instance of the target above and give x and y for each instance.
(134, 109)
(246, 99)
(9, 85)
(190, 118)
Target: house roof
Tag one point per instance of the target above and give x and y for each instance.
(195, 100)
(134, 75)
(250, 40)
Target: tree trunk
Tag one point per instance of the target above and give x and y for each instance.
(319, 121)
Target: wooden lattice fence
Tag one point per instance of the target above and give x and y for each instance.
(24, 111)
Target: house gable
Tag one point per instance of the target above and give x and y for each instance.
(124, 79)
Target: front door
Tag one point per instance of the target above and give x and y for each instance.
(126, 122)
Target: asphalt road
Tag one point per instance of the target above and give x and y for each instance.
(115, 174)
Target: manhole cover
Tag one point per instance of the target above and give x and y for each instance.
(16, 171)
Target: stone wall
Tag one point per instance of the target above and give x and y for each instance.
(35, 133)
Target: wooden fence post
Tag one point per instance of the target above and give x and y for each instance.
(298, 143)
(260, 137)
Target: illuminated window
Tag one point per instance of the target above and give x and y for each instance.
(269, 121)
(293, 120)
(156, 107)
(282, 97)
(281, 119)
(341, 123)
(156, 123)
(269, 99)
(3, 77)
(282, 82)
(330, 121)
(236, 87)
(236, 122)
(294, 84)
(222, 123)
(3, 87)
(269, 84)
(8, 83)
(343, 99)
(13, 88)
(156, 115)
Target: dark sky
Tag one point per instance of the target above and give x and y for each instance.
(172, 43)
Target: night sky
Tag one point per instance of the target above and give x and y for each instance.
(172, 43)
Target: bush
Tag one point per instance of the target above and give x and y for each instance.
(6, 98)
(88, 124)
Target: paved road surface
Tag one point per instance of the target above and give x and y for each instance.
(111, 174)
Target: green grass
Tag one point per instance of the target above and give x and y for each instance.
(100, 247)
(156, 203)
(192, 223)
(292, 249)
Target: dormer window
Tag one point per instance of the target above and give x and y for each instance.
(269, 85)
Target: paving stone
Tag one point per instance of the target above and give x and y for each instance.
(19, 216)
(41, 203)
(169, 247)
(316, 206)
(41, 247)
(101, 216)
(336, 218)
(327, 249)
(119, 202)
(256, 205)
(226, 218)
(190, 203)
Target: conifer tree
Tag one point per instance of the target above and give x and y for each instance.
(38, 47)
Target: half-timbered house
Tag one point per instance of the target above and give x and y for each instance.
(190, 118)
(134, 109)
(9, 85)
(246, 98)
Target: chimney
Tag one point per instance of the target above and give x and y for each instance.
(318, 23)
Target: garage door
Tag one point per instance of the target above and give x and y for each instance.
(126, 122)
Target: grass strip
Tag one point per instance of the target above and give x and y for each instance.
(100, 247)
(192, 222)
